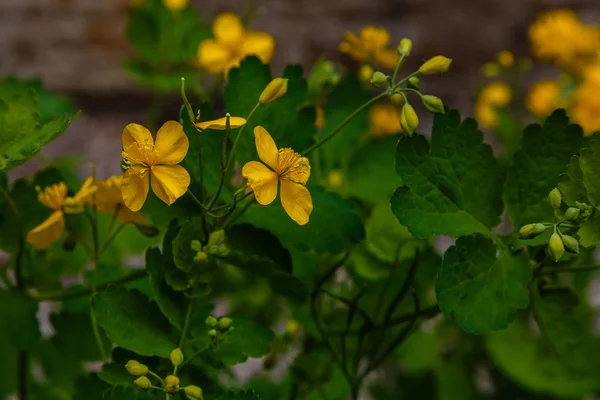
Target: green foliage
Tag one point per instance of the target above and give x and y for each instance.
(452, 188)
(19, 324)
(571, 184)
(589, 163)
(246, 339)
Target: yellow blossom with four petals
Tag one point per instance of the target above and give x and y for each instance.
(109, 199)
(285, 167)
(370, 46)
(146, 160)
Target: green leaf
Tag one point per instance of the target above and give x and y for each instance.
(335, 223)
(478, 290)
(420, 352)
(115, 375)
(75, 336)
(535, 169)
(589, 231)
(452, 189)
(571, 184)
(246, 339)
(22, 135)
(183, 255)
(371, 175)
(131, 321)
(590, 167)
(60, 370)
(288, 120)
(386, 238)
(454, 381)
(241, 395)
(18, 319)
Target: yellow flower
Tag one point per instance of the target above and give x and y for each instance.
(109, 198)
(365, 72)
(506, 59)
(286, 167)
(370, 46)
(496, 94)
(586, 108)
(231, 44)
(55, 198)
(221, 123)
(176, 5)
(143, 159)
(543, 98)
(490, 69)
(384, 119)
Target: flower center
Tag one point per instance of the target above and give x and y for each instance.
(140, 154)
(292, 166)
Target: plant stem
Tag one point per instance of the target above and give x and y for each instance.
(397, 68)
(186, 325)
(112, 237)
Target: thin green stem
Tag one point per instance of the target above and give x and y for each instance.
(198, 202)
(200, 166)
(232, 217)
(397, 68)
(111, 238)
(186, 325)
(162, 382)
(186, 102)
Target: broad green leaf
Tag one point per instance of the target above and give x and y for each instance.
(133, 322)
(22, 135)
(571, 184)
(480, 290)
(453, 188)
(60, 370)
(371, 175)
(590, 167)
(246, 339)
(74, 336)
(525, 358)
(90, 388)
(287, 119)
(454, 381)
(386, 238)
(8, 355)
(18, 320)
(335, 223)
(535, 169)
(115, 375)
(589, 231)
(183, 255)
(420, 352)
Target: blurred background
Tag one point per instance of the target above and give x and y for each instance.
(77, 48)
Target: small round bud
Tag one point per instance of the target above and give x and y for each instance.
(274, 90)
(176, 357)
(378, 79)
(142, 383)
(408, 119)
(292, 327)
(433, 104)
(414, 83)
(530, 231)
(405, 47)
(335, 179)
(200, 257)
(171, 384)
(216, 238)
(555, 198)
(193, 392)
(582, 206)
(195, 245)
(211, 321)
(572, 213)
(571, 244)
(556, 247)
(397, 99)
(435, 65)
(135, 368)
(225, 324)
(365, 72)
(213, 333)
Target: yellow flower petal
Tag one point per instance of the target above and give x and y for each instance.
(260, 44)
(134, 187)
(266, 147)
(220, 124)
(136, 133)
(108, 194)
(86, 191)
(262, 180)
(296, 201)
(228, 29)
(387, 58)
(171, 143)
(213, 57)
(375, 37)
(48, 232)
(53, 196)
(169, 182)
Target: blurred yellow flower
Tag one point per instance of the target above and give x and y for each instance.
(543, 98)
(176, 5)
(496, 94)
(384, 119)
(221, 123)
(320, 117)
(370, 46)
(335, 179)
(109, 199)
(505, 59)
(365, 72)
(490, 69)
(585, 109)
(231, 44)
(143, 159)
(55, 198)
(285, 166)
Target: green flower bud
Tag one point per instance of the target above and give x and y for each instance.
(555, 198)
(215, 250)
(405, 47)
(193, 392)
(171, 384)
(196, 245)
(435, 65)
(225, 324)
(433, 104)
(530, 231)
(292, 327)
(408, 119)
(176, 357)
(397, 99)
(142, 383)
(556, 247)
(582, 206)
(135, 368)
(414, 83)
(200, 257)
(571, 244)
(216, 238)
(213, 333)
(379, 79)
(274, 90)
(211, 321)
(572, 213)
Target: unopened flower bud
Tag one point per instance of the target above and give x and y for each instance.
(142, 383)
(555, 198)
(582, 206)
(556, 247)
(397, 99)
(365, 72)
(176, 357)
(335, 179)
(405, 47)
(171, 384)
(571, 244)
(274, 90)
(213, 333)
(200, 257)
(433, 103)
(211, 321)
(195, 245)
(378, 79)
(292, 327)
(225, 324)
(414, 83)
(135, 368)
(572, 213)
(435, 65)
(216, 238)
(530, 231)
(408, 119)
(193, 392)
